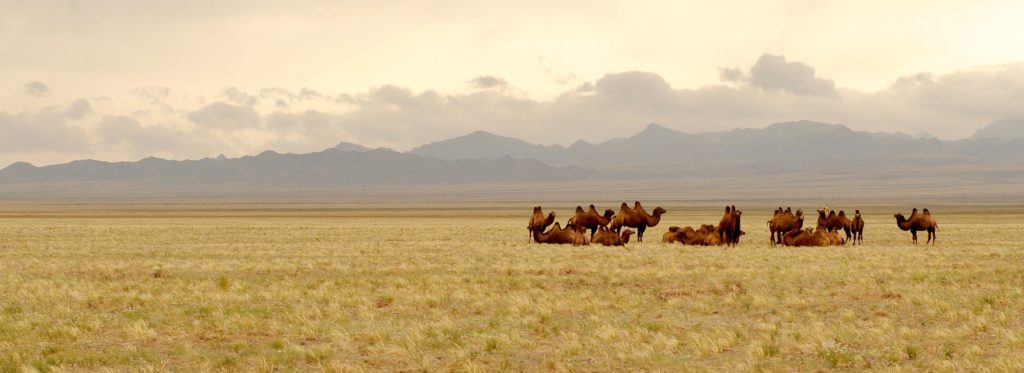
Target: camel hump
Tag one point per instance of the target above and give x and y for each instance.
(856, 212)
(536, 209)
(727, 210)
(623, 206)
(579, 210)
(636, 204)
(926, 212)
(842, 213)
(673, 229)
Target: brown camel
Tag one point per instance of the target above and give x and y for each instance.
(607, 237)
(538, 223)
(918, 222)
(579, 235)
(556, 235)
(590, 219)
(729, 226)
(833, 222)
(712, 237)
(670, 236)
(636, 217)
(857, 228)
(686, 235)
(811, 237)
(784, 221)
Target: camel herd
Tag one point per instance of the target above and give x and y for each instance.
(786, 227)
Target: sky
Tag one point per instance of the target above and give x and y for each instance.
(123, 80)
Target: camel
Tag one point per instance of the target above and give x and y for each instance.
(590, 219)
(729, 226)
(636, 217)
(833, 222)
(556, 235)
(918, 222)
(857, 228)
(670, 236)
(607, 237)
(811, 237)
(579, 235)
(784, 221)
(538, 223)
(712, 237)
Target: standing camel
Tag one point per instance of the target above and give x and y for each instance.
(590, 219)
(636, 217)
(918, 222)
(729, 226)
(857, 228)
(782, 222)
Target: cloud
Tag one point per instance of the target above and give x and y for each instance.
(129, 136)
(224, 116)
(731, 75)
(36, 89)
(488, 82)
(46, 131)
(774, 73)
(78, 109)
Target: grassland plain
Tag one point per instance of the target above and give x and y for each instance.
(257, 288)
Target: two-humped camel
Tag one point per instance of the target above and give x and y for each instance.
(538, 223)
(729, 227)
(590, 219)
(607, 237)
(784, 221)
(918, 222)
(636, 217)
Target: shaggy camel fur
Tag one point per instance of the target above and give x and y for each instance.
(590, 219)
(607, 237)
(918, 222)
(784, 221)
(729, 226)
(636, 217)
(538, 223)
(857, 228)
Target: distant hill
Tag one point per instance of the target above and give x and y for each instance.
(482, 144)
(789, 146)
(798, 152)
(331, 167)
(1010, 128)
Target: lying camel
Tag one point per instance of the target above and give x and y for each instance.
(636, 217)
(556, 235)
(729, 226)
(579, 235)
(706, 235)
(857, 228)
(784, 221)
(608, 237)
(918, 222)
(590, 219)
(811, 237)
(538, 223)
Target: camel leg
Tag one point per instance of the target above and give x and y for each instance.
(913, 234)
(640, 232)
(593, 231)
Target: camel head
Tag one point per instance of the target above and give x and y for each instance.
(673, 229)
(800, 213)
(856, 212)
(625, 235)
(658, 211)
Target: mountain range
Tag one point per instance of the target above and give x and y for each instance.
(808, 149)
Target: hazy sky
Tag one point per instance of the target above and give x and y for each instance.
(119, 80)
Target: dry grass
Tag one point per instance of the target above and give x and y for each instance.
(364, 291)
